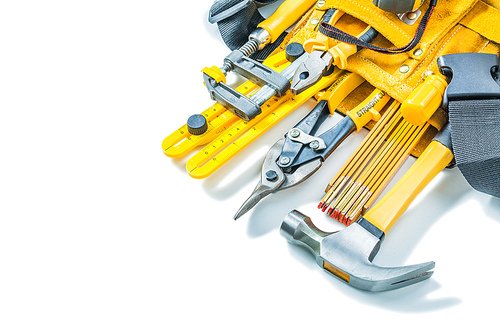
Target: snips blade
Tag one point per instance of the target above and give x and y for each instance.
(271, 179)
(274, 179)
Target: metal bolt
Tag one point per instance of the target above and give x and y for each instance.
(314, 20)
(285, 160)
(271, 176)
(418, 52)
(404, 69)
(314, 145)
(428, 73)
(295, 133)
(320, 3)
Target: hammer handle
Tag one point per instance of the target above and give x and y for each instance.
(434, 159)
(286, 15)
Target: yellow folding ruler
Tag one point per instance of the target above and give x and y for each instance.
(227, 134)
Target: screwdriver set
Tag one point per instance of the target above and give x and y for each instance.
(342, 54)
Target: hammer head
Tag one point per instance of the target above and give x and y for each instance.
(348, 254)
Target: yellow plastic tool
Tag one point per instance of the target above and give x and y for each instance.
(434, 159)
(342, 87)
(342, 51)
(360, 182)
(321, 42)
(369, 109)
(219, 119)
(424, 101)
(286, 15)
(241, 133)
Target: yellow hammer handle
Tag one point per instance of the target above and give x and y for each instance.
(434, 159)
(286, 15)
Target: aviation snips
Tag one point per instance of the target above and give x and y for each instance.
(292, 160)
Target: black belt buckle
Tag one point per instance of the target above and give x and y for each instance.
(473, 76)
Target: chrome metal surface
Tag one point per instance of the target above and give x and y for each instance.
(348, 254)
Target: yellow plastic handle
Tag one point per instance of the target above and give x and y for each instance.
(286, 15)
(434, 159)
(369, 109)
(424, 101)
(340, 89)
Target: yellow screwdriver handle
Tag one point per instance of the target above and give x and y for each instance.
(286, 15)
(424, 100)
(434, 159)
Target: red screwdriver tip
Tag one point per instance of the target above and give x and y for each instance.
(330, 211)
(336, 214)
(320, 205)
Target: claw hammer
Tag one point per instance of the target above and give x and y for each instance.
(348, 254)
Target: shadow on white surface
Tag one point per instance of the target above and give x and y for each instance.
(180, 162)
(492, 208)
(220, 187)
(269, 213)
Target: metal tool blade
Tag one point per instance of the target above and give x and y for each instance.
(272, 177)
(258, 194)
(277, 180)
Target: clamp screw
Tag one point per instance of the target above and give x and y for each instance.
(285, 160)
(321, 3)
(314, 20)
(271, 176)
(314, 145)
(295, 133)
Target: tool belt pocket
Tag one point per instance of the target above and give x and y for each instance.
(456, 26)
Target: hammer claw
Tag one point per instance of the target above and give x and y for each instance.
(413, 280)
(390, 278)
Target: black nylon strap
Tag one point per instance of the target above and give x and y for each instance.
(236, 28)
(475, 132)
(335, 33)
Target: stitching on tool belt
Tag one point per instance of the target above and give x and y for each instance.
(434, 58)
(374, 65)
(392, 77)
(403, 85)
(482, 49)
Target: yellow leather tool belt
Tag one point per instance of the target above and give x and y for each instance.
(456, 26)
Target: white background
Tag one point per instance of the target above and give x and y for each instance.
(101, 232)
